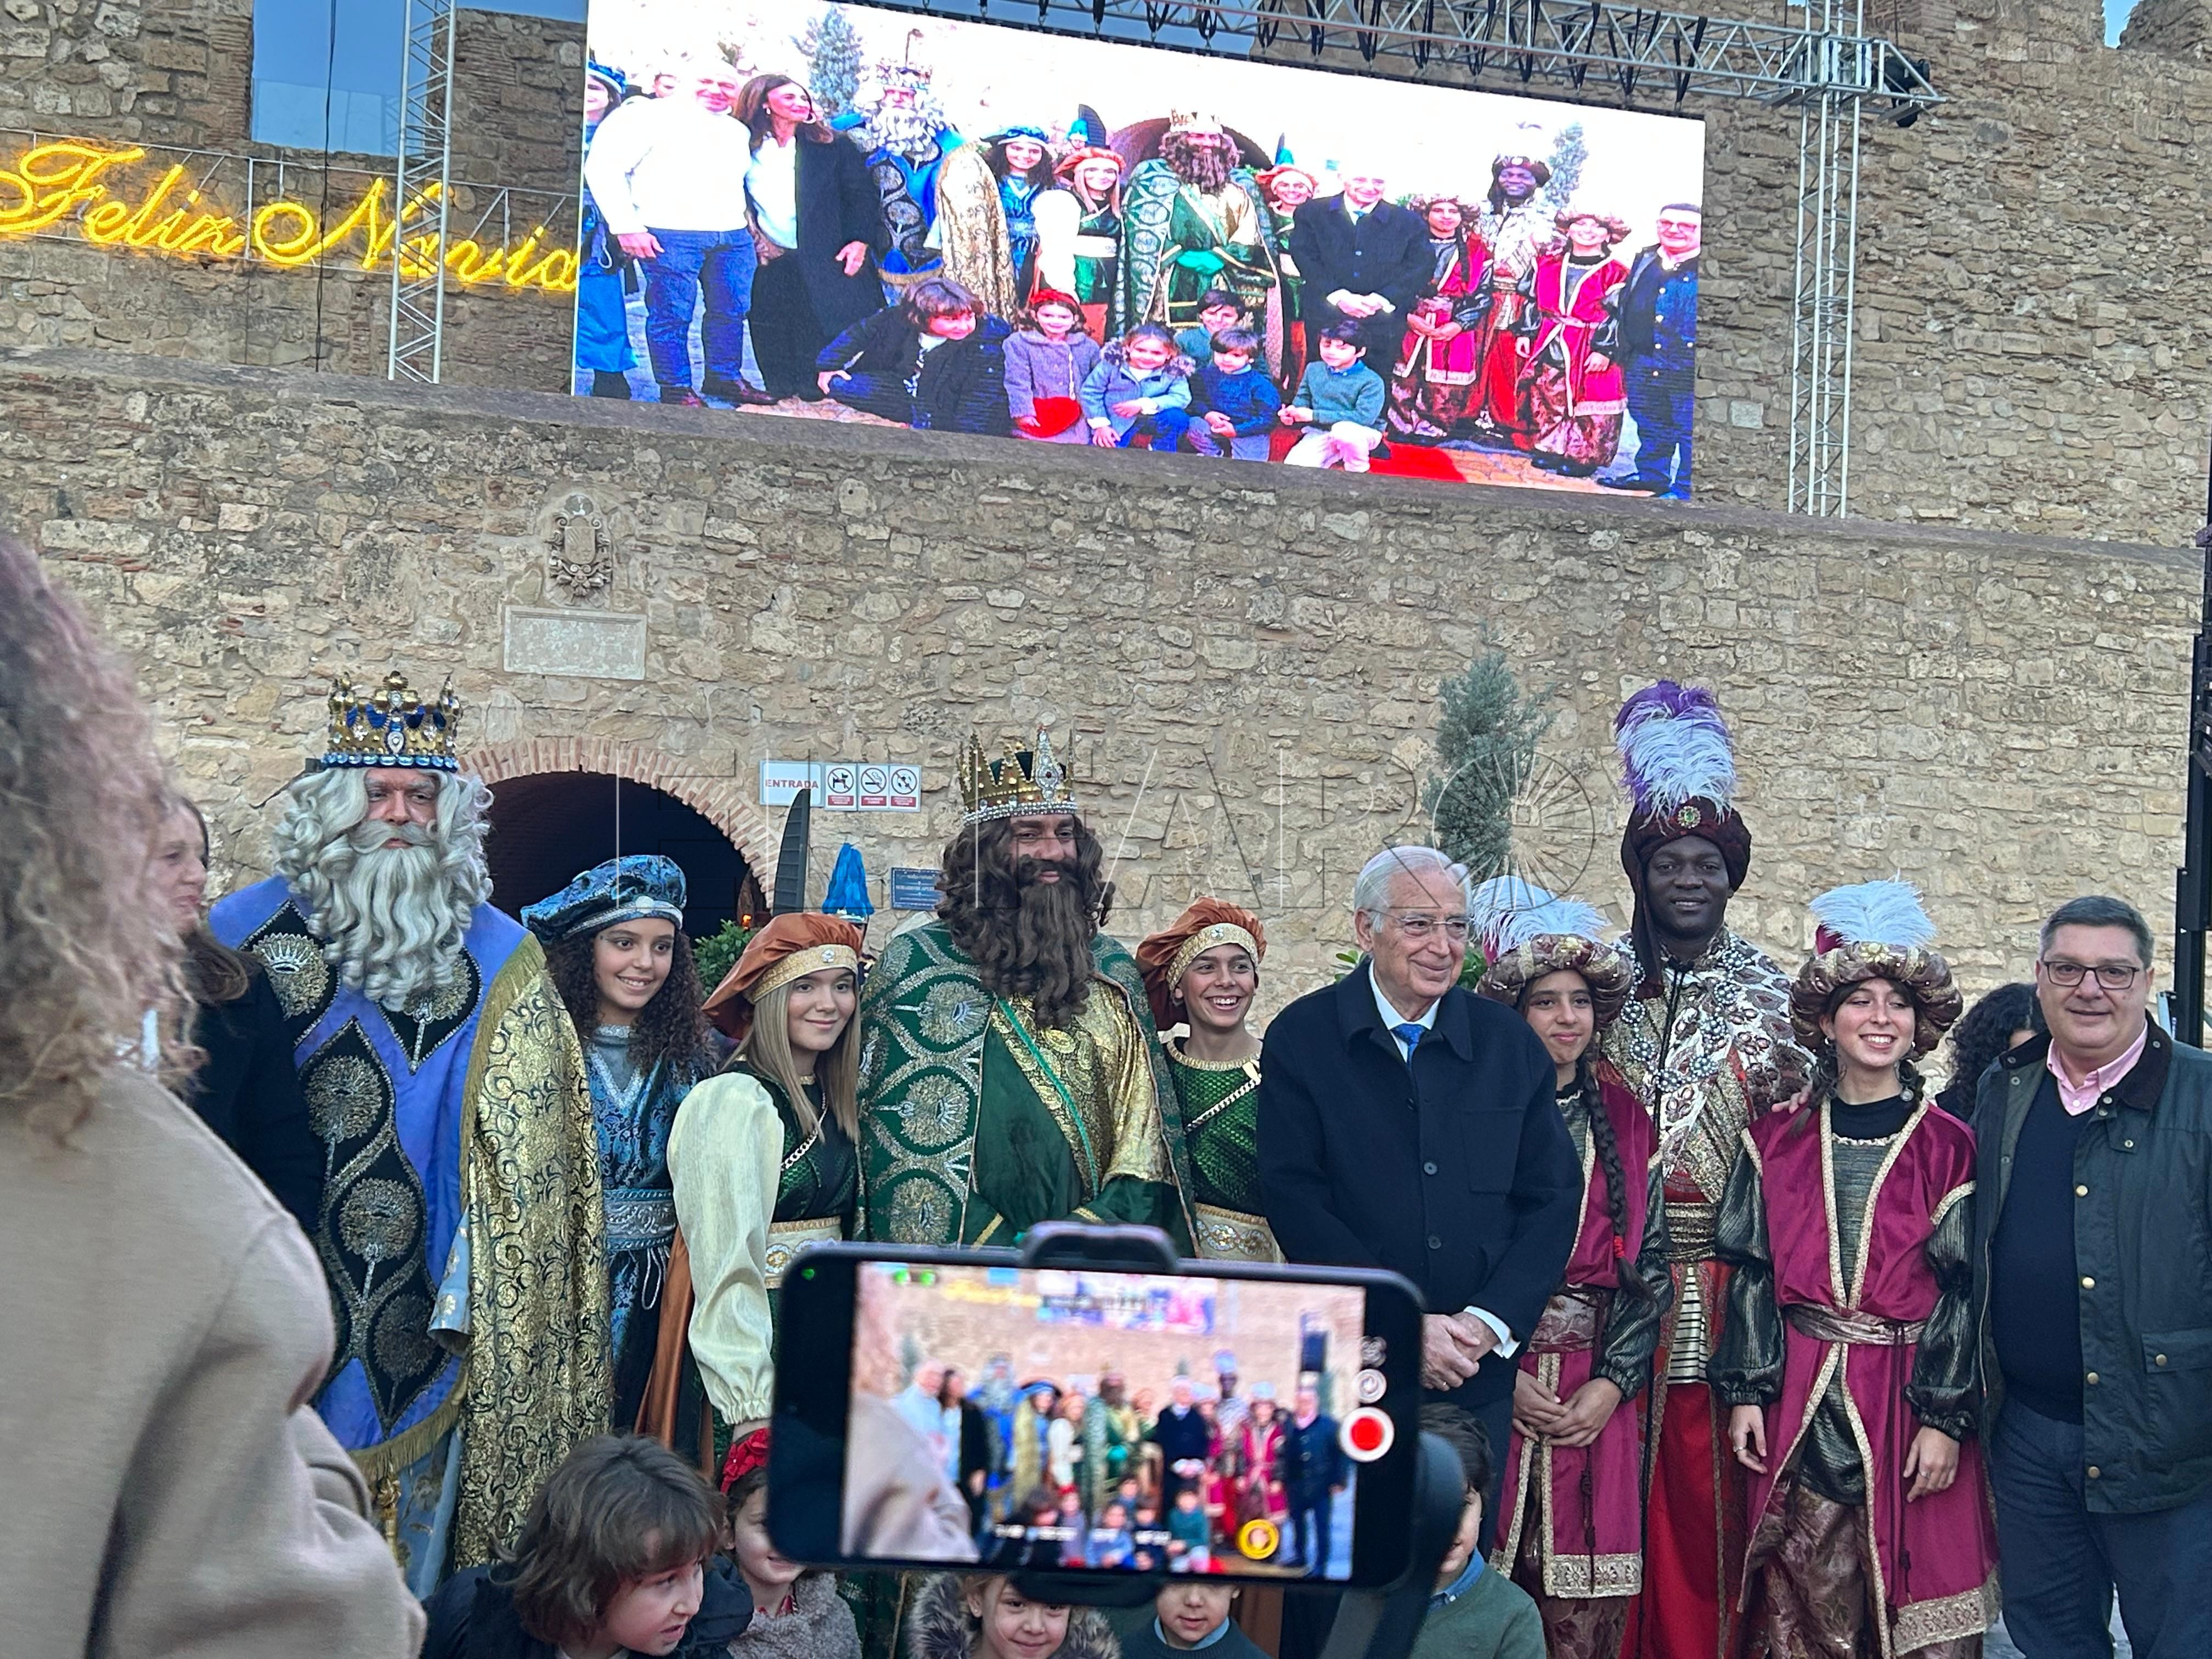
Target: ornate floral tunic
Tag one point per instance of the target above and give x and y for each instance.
(461, 1223)
(634, 1114)
(1220, 1102)
(752, 1184)
(977, 1122)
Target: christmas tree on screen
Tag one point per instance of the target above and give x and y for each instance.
(1569, 152)
(832, 46)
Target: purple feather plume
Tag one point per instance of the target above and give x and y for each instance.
(1674, 748)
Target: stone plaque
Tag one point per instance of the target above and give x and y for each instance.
(597, 645)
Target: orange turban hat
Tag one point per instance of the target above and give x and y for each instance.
(1165, 957)
(791, 946)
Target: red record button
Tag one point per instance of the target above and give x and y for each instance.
(1367, 1434)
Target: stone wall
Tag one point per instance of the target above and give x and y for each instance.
(177, 74)
(2032, 280)
(1248, 661)
(2176, 28)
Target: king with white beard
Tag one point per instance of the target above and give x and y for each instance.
(461, 1219)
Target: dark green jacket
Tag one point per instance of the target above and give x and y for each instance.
(2142, 1243)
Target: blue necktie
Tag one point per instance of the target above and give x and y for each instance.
(1410, 1034)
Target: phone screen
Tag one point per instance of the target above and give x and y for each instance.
(1115, 1421)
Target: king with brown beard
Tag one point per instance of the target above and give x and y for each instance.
(1191, 220)
(1010, 1072)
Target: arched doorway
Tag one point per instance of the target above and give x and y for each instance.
(547, 826)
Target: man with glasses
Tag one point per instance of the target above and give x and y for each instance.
(1406, 1123)
(2094, 1196)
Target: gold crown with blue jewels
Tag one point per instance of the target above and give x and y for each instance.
(1019, 783)
(393, 726)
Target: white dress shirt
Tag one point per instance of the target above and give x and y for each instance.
(1391, 1020)
(772, 182)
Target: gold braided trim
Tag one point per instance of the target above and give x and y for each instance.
(1205, 939)
(1578, 1576)
(386, 1458)
(1232, 1235)
(1922, 1623)
(1949, 1202)
(813, 959)
(784, 1238)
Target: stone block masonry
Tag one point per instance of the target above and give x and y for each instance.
(1246, 662)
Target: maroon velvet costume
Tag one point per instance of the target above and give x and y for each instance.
(1572, 410)
(1571, 1518)
(1435, 384)
(1896, 1322)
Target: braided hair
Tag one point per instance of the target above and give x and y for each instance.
(1607, 1145)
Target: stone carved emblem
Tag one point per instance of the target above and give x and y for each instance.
(580, 563)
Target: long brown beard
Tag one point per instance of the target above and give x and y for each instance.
(1205, 166)
(1027, 938)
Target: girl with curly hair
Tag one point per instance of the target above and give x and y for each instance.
(1849, 1358)
(1998, 1024)
(616, 950)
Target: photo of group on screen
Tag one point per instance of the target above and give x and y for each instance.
(1083, 1471)
(828, 239)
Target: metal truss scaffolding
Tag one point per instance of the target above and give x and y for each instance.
(421, 185)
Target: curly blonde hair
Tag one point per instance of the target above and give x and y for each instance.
(87, 953)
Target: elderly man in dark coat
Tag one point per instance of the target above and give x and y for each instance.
(1406, 1123)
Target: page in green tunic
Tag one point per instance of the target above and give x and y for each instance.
(1221, 1126)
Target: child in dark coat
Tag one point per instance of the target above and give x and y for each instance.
(616, 1549)
(1234, 404)
(935, 360)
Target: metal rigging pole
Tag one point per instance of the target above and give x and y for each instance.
(421, 181)
(1634, 56)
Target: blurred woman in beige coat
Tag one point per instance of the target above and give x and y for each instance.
(162, 1322)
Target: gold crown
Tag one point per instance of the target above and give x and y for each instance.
(393, 726)
(1019, 783)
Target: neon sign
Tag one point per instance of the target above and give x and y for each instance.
(67, 183)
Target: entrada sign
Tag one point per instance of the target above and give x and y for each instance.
(90, 186)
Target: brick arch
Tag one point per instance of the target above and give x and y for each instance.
(720, 801)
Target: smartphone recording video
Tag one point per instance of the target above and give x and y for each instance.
(1089, 1420)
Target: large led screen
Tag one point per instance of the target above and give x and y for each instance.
(843, 213)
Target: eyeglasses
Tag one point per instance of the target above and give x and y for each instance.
(1418, 928)
(2112, 975)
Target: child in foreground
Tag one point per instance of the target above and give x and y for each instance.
(980, 1616)
(1339, 402)
(612, 1560)
(1140, 385)
(1476, 1612)
(1233, 401)
(795, 1613)
(1189, 1613)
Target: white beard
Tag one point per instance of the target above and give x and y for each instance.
(391, 920)
(911, 131)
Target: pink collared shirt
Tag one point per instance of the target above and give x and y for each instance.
(2079, 1097)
